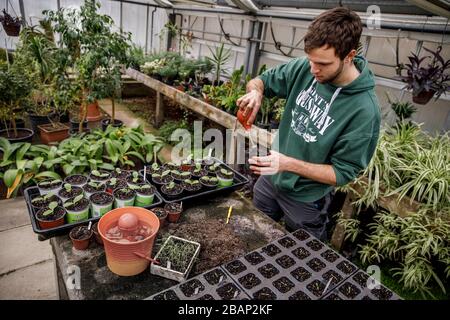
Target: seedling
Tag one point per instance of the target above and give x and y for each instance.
(155, 166)
(74, 201)
(99, 174)
(68, 187)
(51, 208)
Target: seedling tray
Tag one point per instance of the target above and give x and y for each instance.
(289, 268)
(32, 192)
(355, 288)
(211, 285)
(239, 181)
(163, 271)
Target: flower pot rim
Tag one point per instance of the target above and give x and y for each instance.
(109, 194)
(73, 239)
(43, 128)
(62, 217)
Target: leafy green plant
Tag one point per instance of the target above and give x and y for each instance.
(51, 208)
(219, 59)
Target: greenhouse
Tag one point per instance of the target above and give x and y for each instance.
(224, 150)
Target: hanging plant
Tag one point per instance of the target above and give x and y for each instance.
(10, 24)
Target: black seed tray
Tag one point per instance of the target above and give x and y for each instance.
(293, 279)
(355, 288)
(33, 192)
(208, 290)
(239, 181)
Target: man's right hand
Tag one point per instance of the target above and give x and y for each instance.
(250, 103)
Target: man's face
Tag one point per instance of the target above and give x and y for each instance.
(325, 65)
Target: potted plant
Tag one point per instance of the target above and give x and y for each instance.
(43, 201)
(120, 174)
(77, 209)
(115, 183)
(145, 194)
(212, 169)
(78, 180)
(161, 179)
(187, 164)
(172, 190)
(80, 237)
(209, 182)
(180, 175)
(51, 217)
(219, 59)
(124, 197)
(10, 24)
(174, 211)
(135, 179)
(176, 258)
(68, 191)
(225, 177)
(92, 187)
(49, 186)
(198, 171)
(426, 80)
(155, 168)
(191, 186)
(99, 175)
(101, 203)
(161, 213)
(15, 88)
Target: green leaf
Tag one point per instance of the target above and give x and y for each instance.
(47, 174)
(10, 176)
(136, 154)
(22, 151)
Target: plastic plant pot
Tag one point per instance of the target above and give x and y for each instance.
(135, 179)
(209, 182)
(174, 211)
(161, 213)
(161, 179)
(124, 197)
(76, 180)
(120, 174)
(114, 183)
(68, 191)
(99, 175)
(77, 209)
(101, 203)
(145, 194)
(80, 237)
(172, 190)
(51, 217)
(49, 186)
(92, 187)
(43, 201)
(225, 178)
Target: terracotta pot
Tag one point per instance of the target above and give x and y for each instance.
(424, 96)
(80, 244)
(46, 224)
(128, 259)
(172, 215)
(50, 134)
(93, 112)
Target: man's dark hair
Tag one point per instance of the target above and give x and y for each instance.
(339, 28)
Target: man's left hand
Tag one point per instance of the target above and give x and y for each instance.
(268, 165)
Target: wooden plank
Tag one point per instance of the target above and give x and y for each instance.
(221, 117)
(337, 238)
(159, 114)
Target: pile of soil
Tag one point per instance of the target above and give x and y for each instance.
(219, 244)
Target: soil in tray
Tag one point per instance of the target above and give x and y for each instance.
(283, 284)
(75, 191)
(301, 253)
(41, 202)
(166, 295)
(192, 287)
(301, 235)
(330, 255)
(285, 261)
(264, 294)
(179, 253)
(271, 250)
(162, 180)
(206, 297)
(361, 279)
(102, 198)
(199, 173)
(316, 264)
(331, 274)
(316, 288)
(209, 182)
(76, 179)
(136, 180)
(349, 290)
(301, 274)
(268, 271)
(299, 295)
(287, 242)
(235, 267)
(228, 291)
(93, 186)
(119, 184)
(146, 191)
(79, 206)
(332, 296)
(254, 258)
(55, 215)
(191, 187)
(250, 280)
(315, 245)
(215, 276)
(173, 192)
(159, 212)
(80, 233)
(346, 267)
(382, 293)
(124, 193)
(120, 174)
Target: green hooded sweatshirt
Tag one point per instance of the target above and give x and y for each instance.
(323, 124)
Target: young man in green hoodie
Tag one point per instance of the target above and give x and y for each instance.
(329, 129)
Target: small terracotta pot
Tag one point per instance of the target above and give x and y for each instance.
(172, 216)
(80, 244)
(93, 112)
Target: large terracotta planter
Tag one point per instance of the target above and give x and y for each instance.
(50, 134)
(93, 112)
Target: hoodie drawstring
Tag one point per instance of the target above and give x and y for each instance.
(328, 106)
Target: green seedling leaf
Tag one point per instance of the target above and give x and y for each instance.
(156, 175)
(113, 181)
(155, 166)
(68, 187)
(96, 173)
(165, 173)
(78, 198)
(185, 174)
(53, 205)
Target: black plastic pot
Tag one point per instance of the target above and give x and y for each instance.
(64, 117)
(20, 123)
(36, 120)
(25, 135)
(106, 122)
(74, 124)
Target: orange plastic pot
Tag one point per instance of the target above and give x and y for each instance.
(128, 259)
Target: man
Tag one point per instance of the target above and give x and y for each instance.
(329, 129)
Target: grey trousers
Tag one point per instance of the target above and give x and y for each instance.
(311, 216)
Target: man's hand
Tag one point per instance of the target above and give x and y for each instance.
(251, 101)
(268, 165)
